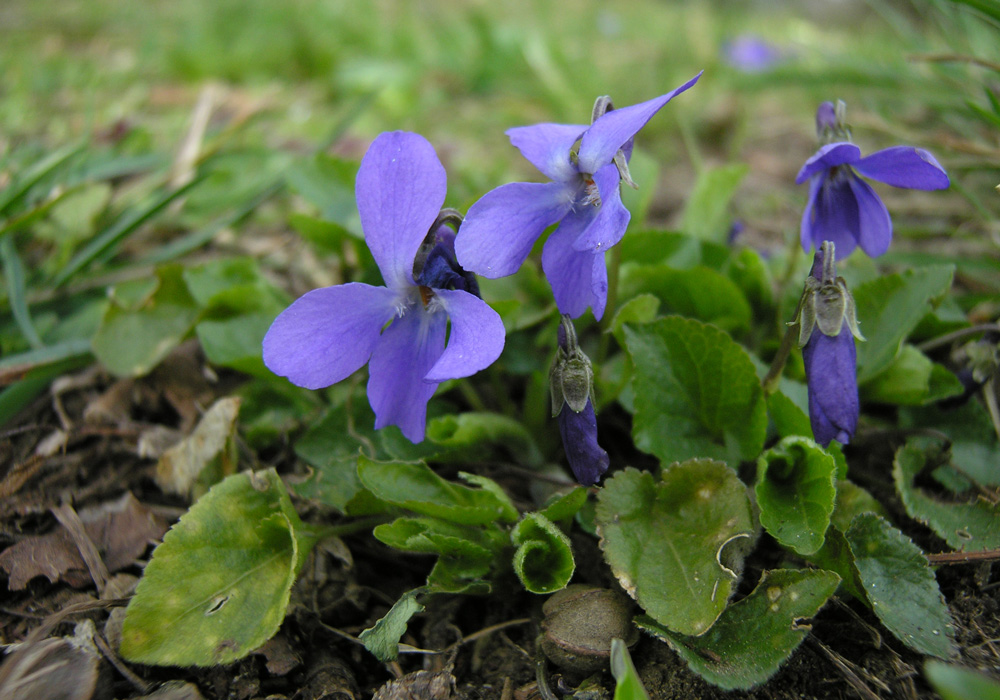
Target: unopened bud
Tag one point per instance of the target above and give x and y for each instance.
(571, 378)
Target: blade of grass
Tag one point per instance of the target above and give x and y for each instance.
(21, 393)
(35, 173)
(196, 239)
(15, 367)
(13, 271)
(990, 8)
(127, 223)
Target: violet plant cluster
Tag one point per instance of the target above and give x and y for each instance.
(401, 330)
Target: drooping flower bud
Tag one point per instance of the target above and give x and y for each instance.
(571, 382)
(828, 326)
(831, 122)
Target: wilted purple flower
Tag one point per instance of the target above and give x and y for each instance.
(842, 207)
(571, 381)
(329, 333)
(586, 166)
(827, 329)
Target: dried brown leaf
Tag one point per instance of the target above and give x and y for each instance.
(120, 529)
(210, 447)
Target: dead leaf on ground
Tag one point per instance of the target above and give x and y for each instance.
(206, 456)
(120, 529)
(422, 685)
(280, 657)
(64, 668)
(175, 690)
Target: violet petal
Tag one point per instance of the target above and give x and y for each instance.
(327, 334)
(831, 374)
(612, 217)
(400, 189)
(874, 224)
(404, 354)
(476, 338)
(828, 156)
(575, 276)
(547, 147)
(501, 228)
(833, 216)
(610, 132)
(904, 166)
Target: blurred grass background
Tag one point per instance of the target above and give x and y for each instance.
(108, 107)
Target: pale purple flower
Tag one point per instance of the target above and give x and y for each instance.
(751, 54)
(400, 329)
(828, 327)
(842, 207)
(583, 197)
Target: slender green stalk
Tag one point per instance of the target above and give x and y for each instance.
(360, 525)
(770, 382)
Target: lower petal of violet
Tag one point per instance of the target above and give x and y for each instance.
(578, 279)
(874, 224)
(833, 216)
(476, 339)
(403, 356)
(831, 374)
(328, 334)
(579, 435)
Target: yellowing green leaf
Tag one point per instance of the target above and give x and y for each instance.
(676, 543)
(218, 586)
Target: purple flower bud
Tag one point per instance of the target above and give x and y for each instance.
(828, 328)
(579, 435)
(571, 381)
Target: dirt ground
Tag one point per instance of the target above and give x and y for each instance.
(74, 480)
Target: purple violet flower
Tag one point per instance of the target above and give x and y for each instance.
(842, 207)
(586, 166)
(751, 54)
(571, 381)
(399, 330)
(827, 329)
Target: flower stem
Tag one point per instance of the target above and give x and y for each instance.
(770, 382)
(350, 528)
(935, 343)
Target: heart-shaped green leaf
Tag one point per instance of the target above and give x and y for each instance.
(699, 292)
(795, 491)
(696, 393)
(753, 637)
(416, 487)
(900, 586)
(973, 526)
(676, 543)
(218, 585)
(889, 308)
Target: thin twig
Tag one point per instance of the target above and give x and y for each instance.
(934, 343)
(950, 558)
(484, 632)
(841, 665)
(137, 682)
